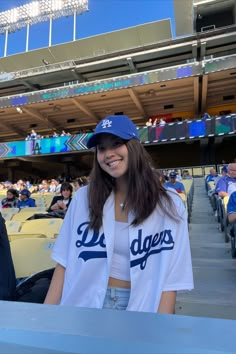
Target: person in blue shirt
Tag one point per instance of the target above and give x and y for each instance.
(212, 176)
(25, 201)
(172, 183)
(224, 182)
(231, 208)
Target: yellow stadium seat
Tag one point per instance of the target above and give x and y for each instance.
(44, 227)
(225, 202)
(13, 226)
(48, 199)
(41, 208)
(23, 216)
(31, 255)
(197, 172)
(21, 235)
(187, 184)
(183, 197)
(9, 212)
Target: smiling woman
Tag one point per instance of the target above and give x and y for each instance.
(124, 240)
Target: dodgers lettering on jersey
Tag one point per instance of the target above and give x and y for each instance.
(144, 247)
(90, 239)
(149, 245)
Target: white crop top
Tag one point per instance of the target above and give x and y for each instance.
(120, 267)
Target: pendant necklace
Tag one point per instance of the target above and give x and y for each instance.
(122, 205)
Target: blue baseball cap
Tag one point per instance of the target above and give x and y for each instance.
(224, 168)
(173, 175)
(117, 125)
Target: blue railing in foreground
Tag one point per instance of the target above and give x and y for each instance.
(36, 328)
(179, 131)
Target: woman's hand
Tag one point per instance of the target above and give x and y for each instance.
(61, 205)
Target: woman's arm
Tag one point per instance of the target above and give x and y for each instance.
(167, 303)
(55, 290)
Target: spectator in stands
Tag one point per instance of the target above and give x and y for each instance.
(154, 124)
(162, 122)
(55, 135)
(211, 177)
(33, 135)
(61, 203)
(149, 122)
(44, 186)
(224, 182)
(172, 183)
(11, 199)
(178, 176)
(186, 175)
(8, 184)
(55, 186)
(124, 231)
(80, 182)
(25, 200)
(231, 208)
(206, 116)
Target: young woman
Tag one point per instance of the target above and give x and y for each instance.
(11, 199)
(60, 203)
(124, 242)
(79, 182)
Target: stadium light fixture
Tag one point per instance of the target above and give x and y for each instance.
(39, 11)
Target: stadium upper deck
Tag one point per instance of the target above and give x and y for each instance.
(140, 71)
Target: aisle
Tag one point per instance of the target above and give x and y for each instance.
(214, 269)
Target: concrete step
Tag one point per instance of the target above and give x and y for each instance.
(214, 269)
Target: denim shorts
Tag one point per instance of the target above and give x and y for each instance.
(116, 298)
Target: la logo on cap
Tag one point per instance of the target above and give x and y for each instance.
(106, 123)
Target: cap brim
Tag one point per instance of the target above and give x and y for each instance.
(92, 141)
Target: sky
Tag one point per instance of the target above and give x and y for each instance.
(103, 16)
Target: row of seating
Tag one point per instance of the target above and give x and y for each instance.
(220, 206)
(188, 198)
(42, 200)
(33, 228)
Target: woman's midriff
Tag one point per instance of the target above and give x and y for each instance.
(117, 283)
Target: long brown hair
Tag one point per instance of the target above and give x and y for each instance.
(145, 189)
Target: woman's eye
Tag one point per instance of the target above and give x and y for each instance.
(118, 143)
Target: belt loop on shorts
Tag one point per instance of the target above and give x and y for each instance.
(113, 293)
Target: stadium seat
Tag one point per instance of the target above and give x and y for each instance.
(23, 216)
(9, 212)
(31, 255)
(197, 171)
(21, 235)
(44, 227)
(13, 226)
(36, 209)
(48, 199)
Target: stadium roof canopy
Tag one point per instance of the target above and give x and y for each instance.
(130, 53)
(92, 47)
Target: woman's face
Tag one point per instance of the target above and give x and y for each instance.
(10, 195)
(66, 193)
(112, 155)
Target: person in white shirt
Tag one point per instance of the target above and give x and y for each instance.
(124, 243)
